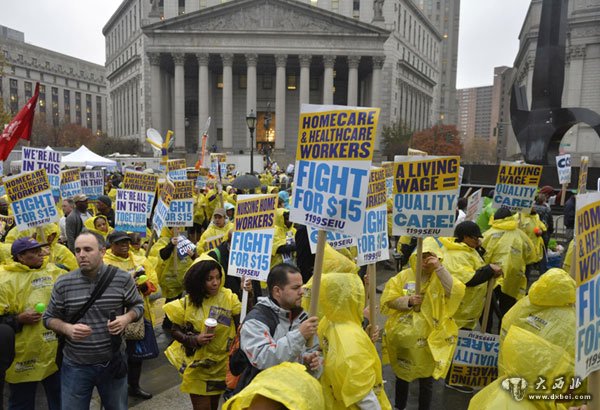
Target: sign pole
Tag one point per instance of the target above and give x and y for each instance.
(419, 268)
(372, 275)
(488, 304)
(175, 235)
(244, 300)
(563, 193)
(317, 271)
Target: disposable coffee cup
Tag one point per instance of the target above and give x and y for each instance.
(210, 324)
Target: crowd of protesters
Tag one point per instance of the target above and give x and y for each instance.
(278, 357)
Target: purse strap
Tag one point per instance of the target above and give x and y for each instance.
(96, 293)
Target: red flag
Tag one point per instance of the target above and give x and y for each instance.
(19, 127)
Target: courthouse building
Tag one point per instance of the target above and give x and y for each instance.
(172, 64)
(71, 90)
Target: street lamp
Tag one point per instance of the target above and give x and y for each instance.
(251, 123)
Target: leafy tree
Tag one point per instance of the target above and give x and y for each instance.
(438, 140)
(395, 139)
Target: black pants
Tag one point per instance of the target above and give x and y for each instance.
(134, 366)
(425, 391)
(7, 355)
(167, 324)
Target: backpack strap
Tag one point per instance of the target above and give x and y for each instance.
(96, 294)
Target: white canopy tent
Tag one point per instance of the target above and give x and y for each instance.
(84, 157)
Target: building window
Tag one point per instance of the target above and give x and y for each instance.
(78, 108)
(34, 61)
(99, 113)
(67, 103)
(291, 82)
(28, 90)
(88, 110)
(55, 106)
(42, 99)
(14, 96)
(20, 58)
(314, 83)
(181, 5)
(219, 80)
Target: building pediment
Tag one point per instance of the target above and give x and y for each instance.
(265, 16)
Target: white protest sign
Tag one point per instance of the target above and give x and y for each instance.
(92, 183)
(181, 210)
(31, 199)
(184, 245)
(202, 178)
(38, 158)
(70, 183)
(131, 212)
(335, 239)
(252, 239)
(475, 361)
(159, 218)
(176, 169)
(425, 193)
(218, 160)
(335, 150)
(516, 186)
(563, 167)
(373, 245)
(474, 205)
(140, 181)
(587, 267)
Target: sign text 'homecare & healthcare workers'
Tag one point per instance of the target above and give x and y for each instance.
(516, 186)
(425, 195)
(181, 209)
(335, 150)
(31, 199)
(373, 245)
(252, 239)
(587, 267)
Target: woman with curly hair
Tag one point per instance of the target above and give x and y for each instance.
(200, 352)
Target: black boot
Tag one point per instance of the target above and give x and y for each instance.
(133, 378)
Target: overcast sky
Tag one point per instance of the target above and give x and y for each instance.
(488, 38)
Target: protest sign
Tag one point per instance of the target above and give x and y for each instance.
(165, 195)
(2, 187)
(388, 166)
(31, 199)
(184, 246)
(218, 160)
(176, 169)
(131, 211)
(202, 178)
(140, 181)
(252, 240)
(475, 361)
(373, 245)
(192, 174)
(70, 183)
(563, 167)
(587, 267)
(6, 223)
(335, 239)
(335, 149)
(583, 171)
(474, 205)
(92, 183)
(425, 195)
(38, 158)
(181, 209)
(516, 186)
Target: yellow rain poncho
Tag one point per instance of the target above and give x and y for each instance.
(130, 264)
(525, 356)
(287, 383)
(508, 246)
(352, 368)
(283, 235)
(204, 372)
(170, 274)
(21, 288)
(548, 311)
(569, 257)
(333, 261)
(89, 225)
(462, 262)
(421, 344)
(212, 237)
(528, 224)
(200, 204)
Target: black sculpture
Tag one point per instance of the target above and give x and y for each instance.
(540, 130)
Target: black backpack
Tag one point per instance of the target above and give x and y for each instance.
(239, 365)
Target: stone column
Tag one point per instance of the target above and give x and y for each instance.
(203, 90)
(227, 100)
(328, 62)
(171, 8)
(353, 62)
(304, 79)
(280, 89)
(155, 90)
(376, 90)
(179, 103)
(250, 91)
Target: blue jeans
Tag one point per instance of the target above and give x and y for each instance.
(79, 380)
(22, 395)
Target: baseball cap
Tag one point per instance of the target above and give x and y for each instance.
(24, 244)
(80, 197)
(220, 211)
(467, 228)
(105, 200)
(117, 236)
